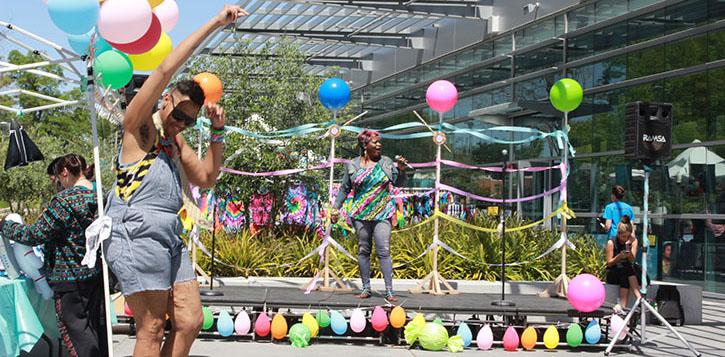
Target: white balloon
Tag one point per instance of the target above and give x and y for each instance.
(616, 323)
(168, 14)
(30, 263)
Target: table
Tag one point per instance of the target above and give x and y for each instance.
(24, 317)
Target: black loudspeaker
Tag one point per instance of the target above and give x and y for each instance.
(648, 131)
(130, 90)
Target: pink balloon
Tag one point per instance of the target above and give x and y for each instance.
(143, 44)
(379, 320)
(586, 293)
(242, 323)
(510, 339)
(357, 321)
(262, 325)
(124, 21)
(441, 96)
(484, 339)
(127, 310)
(168, 13)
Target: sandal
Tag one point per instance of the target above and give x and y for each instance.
(390, 296)
(364, 294)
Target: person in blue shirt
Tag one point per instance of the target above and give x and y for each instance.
(614, 211)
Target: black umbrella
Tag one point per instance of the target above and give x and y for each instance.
(21, 150)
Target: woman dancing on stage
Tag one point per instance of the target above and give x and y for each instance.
(145, 252)
(371, 177)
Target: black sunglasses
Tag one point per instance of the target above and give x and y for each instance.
(179, 115)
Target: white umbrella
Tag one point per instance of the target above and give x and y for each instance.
(699, 155)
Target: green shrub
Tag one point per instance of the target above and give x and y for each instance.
(266, 254)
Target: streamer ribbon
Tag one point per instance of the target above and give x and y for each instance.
(460, 192)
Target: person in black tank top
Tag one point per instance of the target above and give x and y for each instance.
(621, 252)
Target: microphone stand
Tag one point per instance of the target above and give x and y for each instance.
(211, 291)
(502, 236)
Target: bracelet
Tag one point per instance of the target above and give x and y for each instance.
(219, 131)
(216, 138)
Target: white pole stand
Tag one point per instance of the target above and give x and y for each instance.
(434, 283)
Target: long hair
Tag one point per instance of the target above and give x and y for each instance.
(364, 138)
(625, 225)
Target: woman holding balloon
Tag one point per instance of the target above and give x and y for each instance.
(145, 252)
(76, 288)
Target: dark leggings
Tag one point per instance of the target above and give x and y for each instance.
(81, 319)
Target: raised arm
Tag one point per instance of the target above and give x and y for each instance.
(204, 173)
(139, 110)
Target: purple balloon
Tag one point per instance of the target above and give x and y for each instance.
(586, 293)
(441, 96)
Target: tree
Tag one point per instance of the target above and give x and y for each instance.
(265, 91)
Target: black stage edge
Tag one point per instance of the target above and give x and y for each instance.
(463, 303)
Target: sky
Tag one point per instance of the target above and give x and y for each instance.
(32, 15)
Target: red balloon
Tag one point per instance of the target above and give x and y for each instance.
(143, 44)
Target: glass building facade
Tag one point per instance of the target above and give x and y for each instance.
(621, 51)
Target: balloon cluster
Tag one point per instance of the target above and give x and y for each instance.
(129, 34)
(309, 326)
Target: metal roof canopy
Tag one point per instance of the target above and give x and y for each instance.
(341, 33)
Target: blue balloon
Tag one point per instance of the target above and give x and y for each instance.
(338, 323)
(593, 333)
(465, 332)
(75, 17)
(334, 93)
(224, 324)
(80, 43)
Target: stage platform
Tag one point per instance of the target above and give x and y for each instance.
(464, 303)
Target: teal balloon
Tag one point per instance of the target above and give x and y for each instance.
(593, 332)
(465, 332)
(566, 95)
(338, 323)
(224, 324)
(81, 43)
(574, 335)
(113, 68)
(74, 17)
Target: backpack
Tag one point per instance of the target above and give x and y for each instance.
(669, 305)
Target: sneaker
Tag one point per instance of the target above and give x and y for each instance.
(390, 296)
(364, 294)
(618, 309)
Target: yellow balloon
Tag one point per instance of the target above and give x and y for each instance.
(148, 61)
(528, 338)
(279, 327)
(551, 337)
(155, 3)
(397, 317)
(311, 323)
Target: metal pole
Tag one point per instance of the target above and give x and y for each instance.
(211, 291)
(502, 235)
(99, 199)
(645, 248)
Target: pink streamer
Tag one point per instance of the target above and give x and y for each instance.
(445, 187)
(563, 196)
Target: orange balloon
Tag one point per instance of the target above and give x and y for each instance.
(211, 85)
(397, 317)
(528, 338)
(279, 327)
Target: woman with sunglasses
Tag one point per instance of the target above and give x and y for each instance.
(145, 251)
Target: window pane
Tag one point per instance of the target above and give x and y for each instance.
(581, 17)
(686, 53)
(646, 27)
(686, 15)
(645, 62)
(688, 96)
(538, 59)
(502, 45)
(580, 46)
(606, 9)
(611, 37)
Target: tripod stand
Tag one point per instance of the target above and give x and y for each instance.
(641, 302)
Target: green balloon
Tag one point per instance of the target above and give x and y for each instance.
(438, 321)
(574, 335)
(113, 68)
(208, 318)
(323, 318)
(566, 95)
(299, 335)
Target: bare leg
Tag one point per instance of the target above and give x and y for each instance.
(149, 310)
(634, 285)
(184, 306)
(623, 297)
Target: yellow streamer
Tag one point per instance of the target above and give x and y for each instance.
(564, 210)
